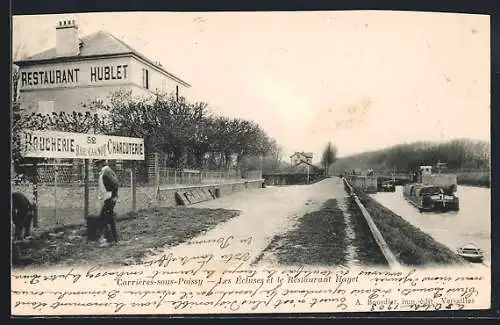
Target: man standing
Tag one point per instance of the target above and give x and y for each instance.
(108, 195)
(23, 214)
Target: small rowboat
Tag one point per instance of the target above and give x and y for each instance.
(471, 253)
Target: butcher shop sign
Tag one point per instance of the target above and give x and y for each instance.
(64, 145)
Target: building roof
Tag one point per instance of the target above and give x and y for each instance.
(305, 154)
(304, 162)
(100, 43)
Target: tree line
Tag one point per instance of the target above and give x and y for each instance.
(187, 134)
(458, 154)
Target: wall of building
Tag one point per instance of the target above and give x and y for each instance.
(297, 158)
(70, 85)
(158, 81)
(88, 72)
(70, 99)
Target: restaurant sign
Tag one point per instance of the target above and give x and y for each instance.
(63, 145)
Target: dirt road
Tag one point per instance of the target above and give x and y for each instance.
(265, 213)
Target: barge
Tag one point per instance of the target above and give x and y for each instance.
(432, 192)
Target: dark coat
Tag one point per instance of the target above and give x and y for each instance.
(110, 180)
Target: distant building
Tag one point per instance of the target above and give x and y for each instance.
(299, 158)
(77, 70)
(301, 161)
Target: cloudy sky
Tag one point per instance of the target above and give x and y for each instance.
(363, 80)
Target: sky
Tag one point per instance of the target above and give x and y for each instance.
(363, 80)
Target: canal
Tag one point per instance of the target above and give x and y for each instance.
(471, 224)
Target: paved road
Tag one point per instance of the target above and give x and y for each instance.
(264, 213)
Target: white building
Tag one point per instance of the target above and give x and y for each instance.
(78, 70)
(301, 157)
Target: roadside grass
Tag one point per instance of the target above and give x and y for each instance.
(409, 244)
(139, 233)
(367, 250)
(318, 239)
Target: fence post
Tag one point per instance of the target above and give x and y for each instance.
(86, 188)
(133, 186)
(35, 192)
(56, 171)
(157, 172)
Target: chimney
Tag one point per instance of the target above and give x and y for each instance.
(67, 42)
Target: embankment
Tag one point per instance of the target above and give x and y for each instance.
(410, 245)
(480, 179)
(140, 233)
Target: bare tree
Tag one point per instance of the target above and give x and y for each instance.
(187, 133)
(329, 156)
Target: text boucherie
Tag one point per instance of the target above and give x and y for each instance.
(59, 144)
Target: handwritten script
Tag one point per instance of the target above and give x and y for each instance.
(222, 281)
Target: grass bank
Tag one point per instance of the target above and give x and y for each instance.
(480, 179)
(138, 233)
(367, 250)
(318, 239)
(409, 244)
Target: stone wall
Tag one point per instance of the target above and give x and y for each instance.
(367, 184)
(291, 179)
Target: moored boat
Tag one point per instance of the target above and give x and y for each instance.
(386, 186)
(471, 253)
(432, 192)
(431, 197)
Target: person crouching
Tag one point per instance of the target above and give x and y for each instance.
(107, 196)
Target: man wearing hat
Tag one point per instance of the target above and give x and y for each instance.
(108, 195)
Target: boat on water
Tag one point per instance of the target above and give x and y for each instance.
(387, 186)
(471, 253)
(432, 192)
(431, 197)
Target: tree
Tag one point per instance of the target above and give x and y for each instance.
(187, 134)
(329, 156)
(457, 154)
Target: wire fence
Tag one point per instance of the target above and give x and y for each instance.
(169, 177)
(58, 187)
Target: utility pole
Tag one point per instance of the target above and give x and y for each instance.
(307, 173)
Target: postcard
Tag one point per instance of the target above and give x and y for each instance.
(250, 162)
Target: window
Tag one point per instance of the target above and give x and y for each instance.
(145, 78)
(177, 93)
(46, 107)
